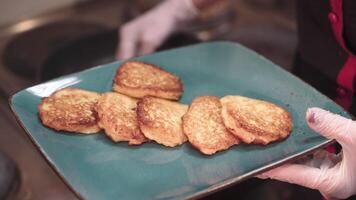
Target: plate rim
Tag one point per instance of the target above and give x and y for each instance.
(233, 181)
(202, 193)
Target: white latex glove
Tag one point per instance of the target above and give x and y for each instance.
(334, 176)
(145, 33)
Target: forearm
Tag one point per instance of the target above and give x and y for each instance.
(349, 8)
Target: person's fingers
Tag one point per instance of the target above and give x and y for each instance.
(335, 127)
(127, 43)
(330, 125)
(149, 42)
(303, 175)
(146, 47)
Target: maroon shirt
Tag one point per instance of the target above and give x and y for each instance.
(327, 40)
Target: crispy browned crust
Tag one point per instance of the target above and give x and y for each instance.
(117, 116)
(204, 126)
(255, 121)
(70, 109)
(160, 120)
(138, 79)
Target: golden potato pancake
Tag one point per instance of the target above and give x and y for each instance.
(204, 126)
(161, 120)
(255, 121)
(117, 116)
(138, 79)
(70, 109)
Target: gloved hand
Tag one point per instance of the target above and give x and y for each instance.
(145, 33)
(333, 175)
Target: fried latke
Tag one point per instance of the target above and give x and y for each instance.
(255, 121)
(70, 110)
(160, 120)
(138, 79)
(204, 126)
(117, 116)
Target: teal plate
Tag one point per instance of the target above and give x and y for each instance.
(96, 168)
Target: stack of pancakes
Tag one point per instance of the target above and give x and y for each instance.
(143, 108)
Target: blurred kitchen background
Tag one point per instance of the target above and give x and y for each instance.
(43, 39)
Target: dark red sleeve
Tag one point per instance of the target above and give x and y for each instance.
(349, 7)
(347, 74)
